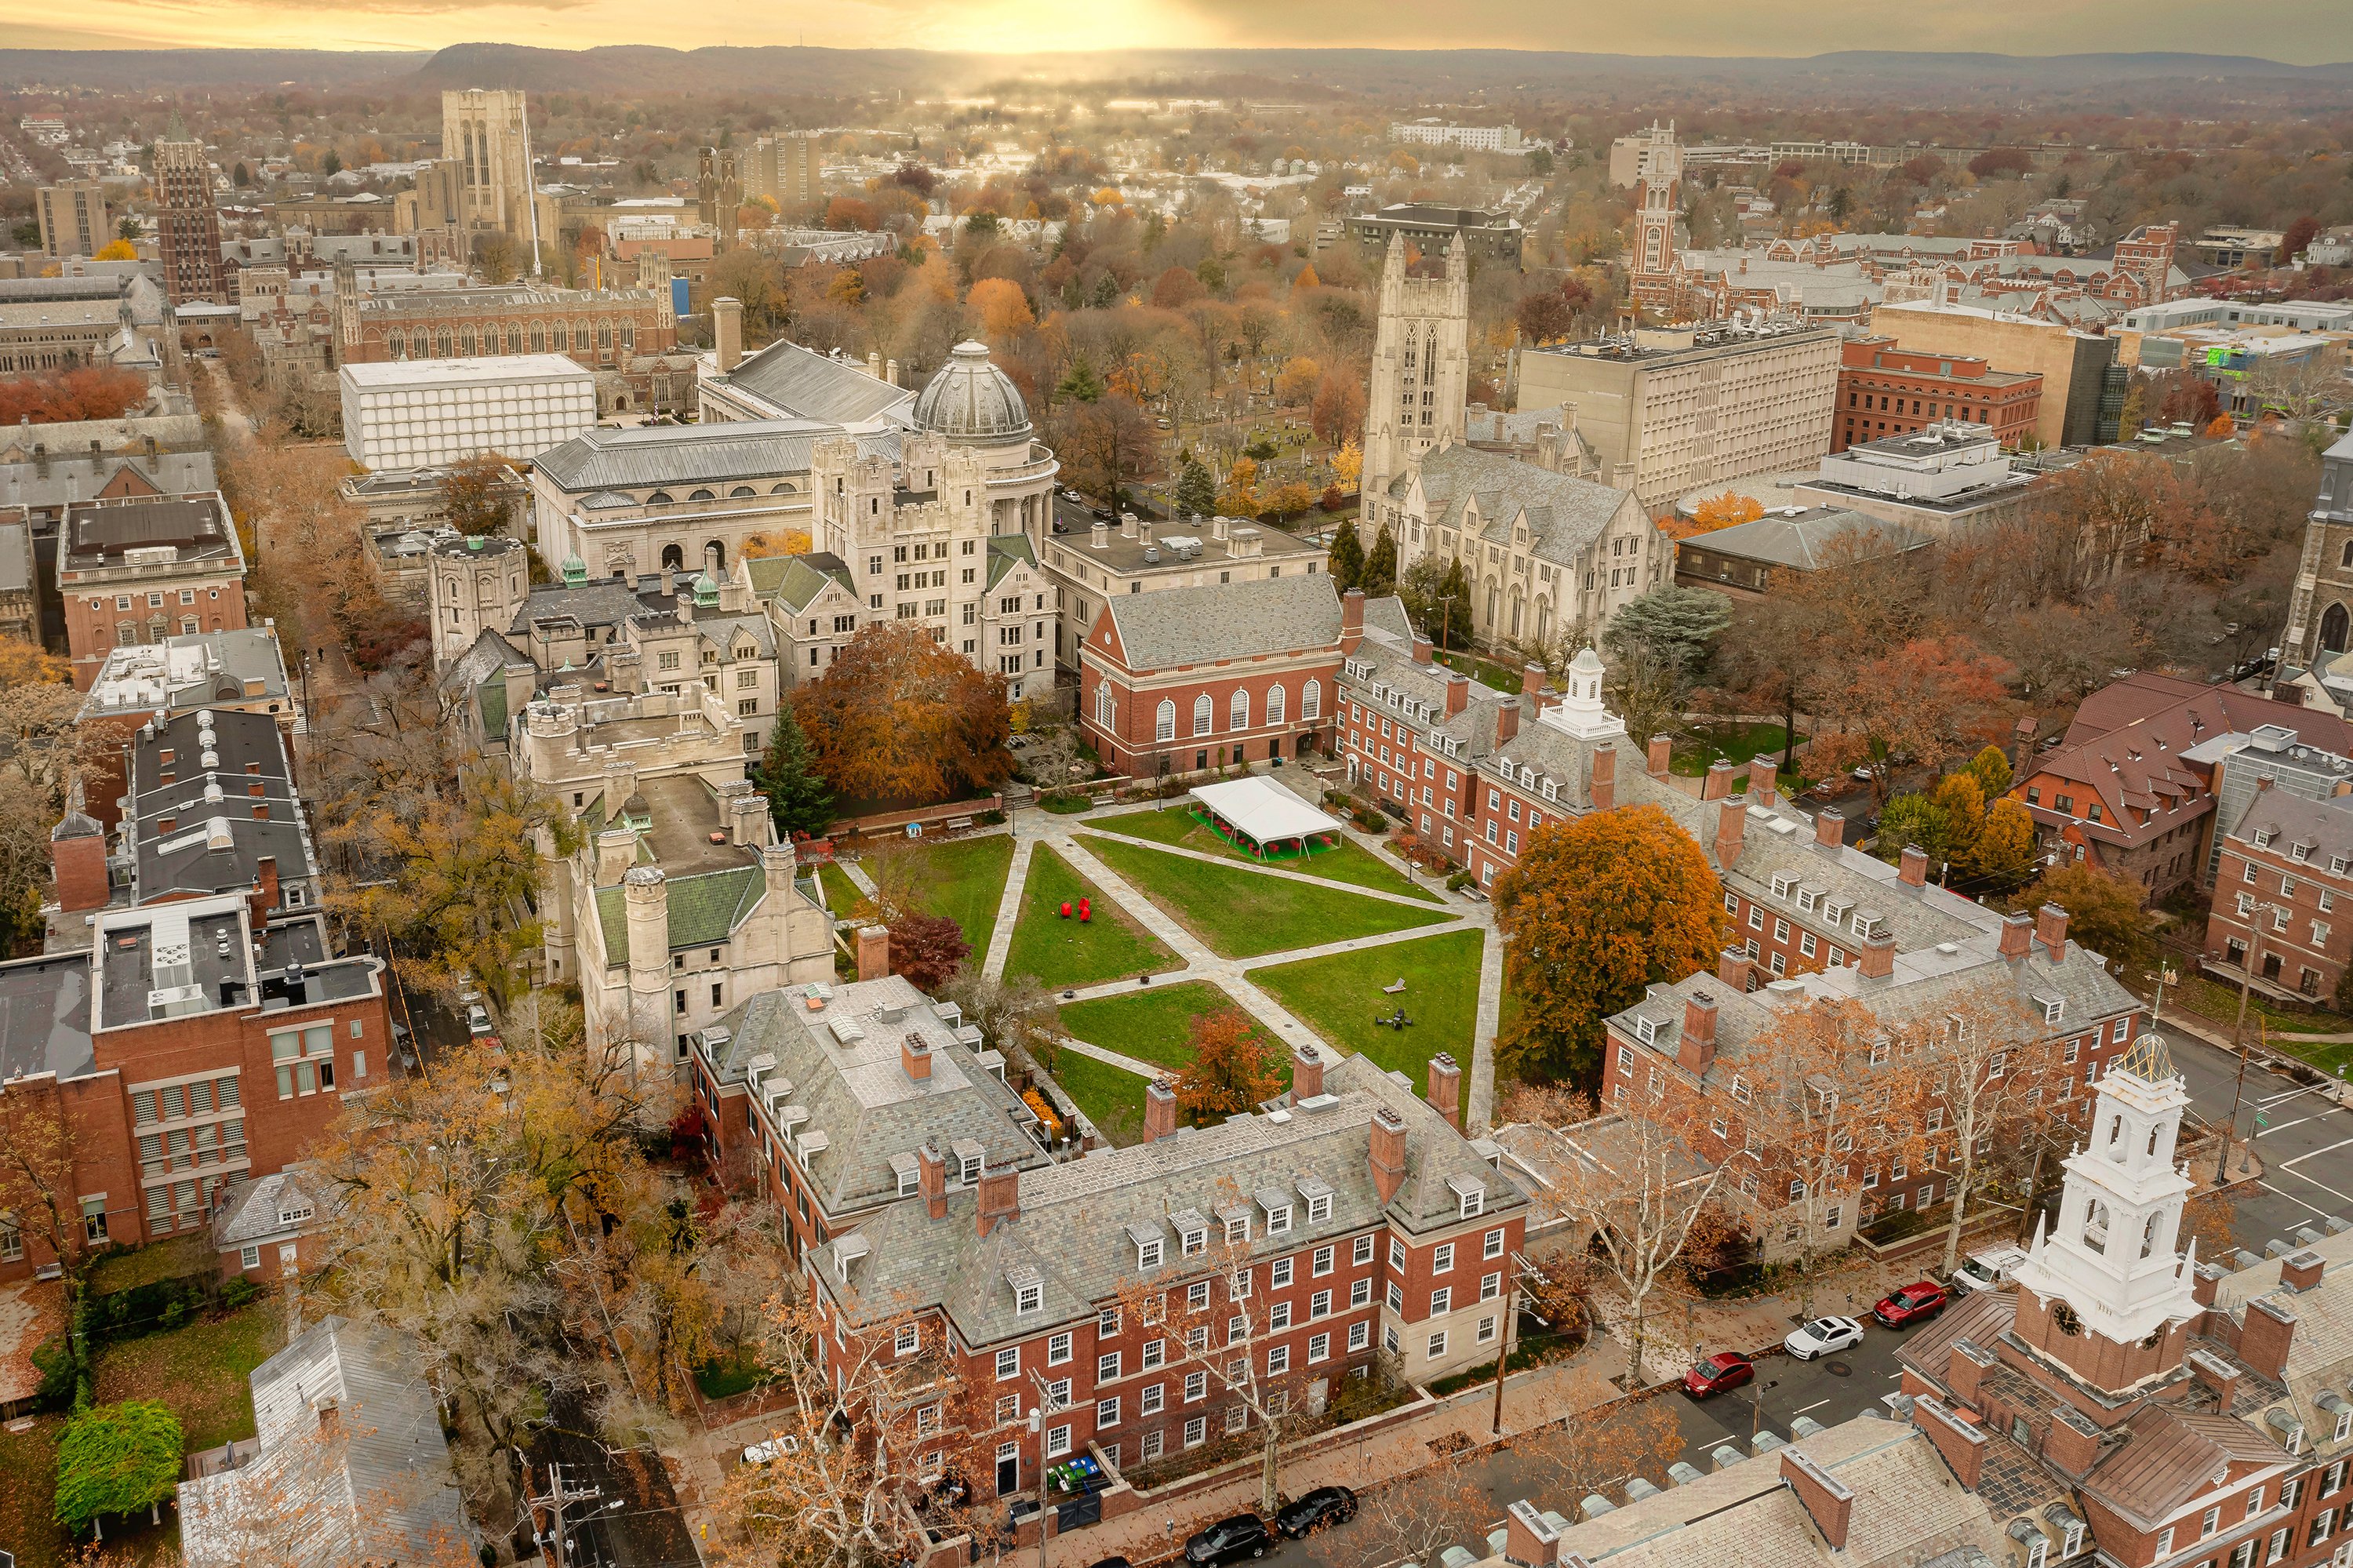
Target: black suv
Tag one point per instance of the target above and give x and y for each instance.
(1324, 1506)
(1229, 1541)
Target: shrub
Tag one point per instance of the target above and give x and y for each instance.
(991, 819)
(1458, 882)
(237, 1292)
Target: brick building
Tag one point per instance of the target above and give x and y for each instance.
(138, 568)
(1193, 678)
(1885, 390)
(2286, 863)
(188, 225)
(1353, 1221)
(194, 1044)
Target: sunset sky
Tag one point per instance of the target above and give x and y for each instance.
(2301, 31)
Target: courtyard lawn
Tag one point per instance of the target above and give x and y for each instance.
(1485, 671)
(1347, 862)
(1150, 1025)
(199, 1371)
(1111, 1098)
(841, 895)
(961, 879)
(1242, 915)
(1340, 995)
(1738, 743)
(1062, 953)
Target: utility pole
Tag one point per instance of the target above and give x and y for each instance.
(558, 1495)
(1519, 1266)
(2239, 1034)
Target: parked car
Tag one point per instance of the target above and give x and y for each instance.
(477, 1021)
(1229, 1541)
(1324, 1506)
(1916, 1303)
(1987, 1270)
(1109, 1562)
(1714, 1374)
(1822, 1336)
(774, 1449)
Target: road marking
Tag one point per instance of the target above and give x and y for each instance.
(2322, 1185)
(2310, 1154)
(2285, 1125)
(1816, 1406)
(2290, 1197)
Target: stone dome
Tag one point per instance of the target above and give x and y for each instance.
(972, 402)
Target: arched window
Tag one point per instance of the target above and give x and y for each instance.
(1164, 723)
(2096, 1226)
(514, 340)
(700, 494)
(1274, 706)
(1203, 714)
(1238, 711)
(2335, 625)
(441, 342)
(2148, 1235)
(538, 337)
(659, 498)
(673, 557)
(742, 491)
(1311, 702)
(1106, 709)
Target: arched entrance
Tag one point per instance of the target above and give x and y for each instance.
(2335, 629)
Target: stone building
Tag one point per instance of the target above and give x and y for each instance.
(626, 336)
(1420, 373)
(73, 218)
(487, 132)
(1138, 556)
(2320, 612)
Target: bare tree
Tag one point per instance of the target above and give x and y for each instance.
(1981, 1073)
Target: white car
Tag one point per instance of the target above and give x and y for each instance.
(477, 1021)
(1988, 1269)
(1822, 1336)
(774, 1449)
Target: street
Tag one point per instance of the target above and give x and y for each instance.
(2306, 1148)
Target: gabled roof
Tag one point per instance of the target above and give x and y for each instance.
(2326, 826)
(803, 384)
(2170, 1456)
(1226, 620)
(1565, 514)
(753, 453)
(1802, 543)
(703, 910)
(795, 582)
(1007, 551)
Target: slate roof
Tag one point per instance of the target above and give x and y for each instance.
(1801, 543)
(796, 581)
(252, 1209)
(187, 857)
(858, 1093)
(1078, 1221)
(702, 910)
(804, 384)
(753, 452)
(385, 1492)
(2320, 1354)
(46, 484)
(1565, 514)
(597, 603)
(1226, 620)
(2324, 826)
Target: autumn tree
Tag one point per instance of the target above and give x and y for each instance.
(2104, 912)
(1297, 381)
(1003, 310)
(926, 948)
(476, 495)
(1235, 1067)
(1726, 511)
(1599, 908)
(1980, 1071)
(1932, 697)
(797, 796)
(1337, 415)
(59, 397)
(2005, 850)
(899, 717)
(1347, 464)
(40, 1191)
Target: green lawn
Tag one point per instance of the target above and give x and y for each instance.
(1149, 1025)
(1112, 1098)
(1338, 997)
(1347, 862)
(1066, 953)
(1739, 743)
(841, 895)
(1502, 677)
(961, 879)
(1240, 913)
(199, 1371)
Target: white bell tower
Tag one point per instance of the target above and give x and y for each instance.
(2110, 1258)
(1580, 712)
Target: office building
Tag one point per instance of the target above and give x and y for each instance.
(2078, 387)
(1885, 390)
(188, 225)
(73, 218)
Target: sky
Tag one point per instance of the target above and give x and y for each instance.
(2302, 32)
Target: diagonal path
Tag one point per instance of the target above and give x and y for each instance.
(1008, 907)
(1325, 883)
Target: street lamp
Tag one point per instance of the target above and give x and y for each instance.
(2239, 1029)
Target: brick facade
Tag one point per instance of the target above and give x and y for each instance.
(1883, 390)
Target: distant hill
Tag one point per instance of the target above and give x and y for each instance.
(2189, 81)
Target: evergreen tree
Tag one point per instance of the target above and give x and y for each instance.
(1082, 385)
(1449, 614)
(1348, 562)
(797, 794)
(1380, 566)
(1197, 492)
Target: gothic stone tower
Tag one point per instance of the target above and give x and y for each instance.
(2104, 1294)
(188, 225)
(1421, 363)
(2320, 613)
(1656, 275)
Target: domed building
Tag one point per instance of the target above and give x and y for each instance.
(941, 533)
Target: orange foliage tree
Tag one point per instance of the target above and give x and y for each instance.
(1235, 1067)
(86, 392)
(1726, 511)
(899, 717)
(1003, 308)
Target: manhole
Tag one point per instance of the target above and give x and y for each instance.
(1838, 1368)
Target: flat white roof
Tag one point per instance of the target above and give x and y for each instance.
(478, 371)
(1263, 810)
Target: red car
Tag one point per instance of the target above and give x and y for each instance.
(1916, 1303)
(1714, 1374)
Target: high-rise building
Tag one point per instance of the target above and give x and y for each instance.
(73, 218)
(187, 228)
(487, 132)
(1422, 363)
(784, 170)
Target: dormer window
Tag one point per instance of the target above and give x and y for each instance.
(1237, 1229)
(1028, 1291)
(2052, 1007)
(1470, 1196)
(1319, 1199)
(968, 1167)
(1278, 1213)
(1148, 1245)
(1781, 887)
(295, 1217)
(2300, 854)
(1646, 1030)
(2262, 837)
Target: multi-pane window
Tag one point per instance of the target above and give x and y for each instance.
(1363, 1252)
(305, 1059)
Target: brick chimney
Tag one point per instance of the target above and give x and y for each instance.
(1352, 619)
(1458, 693)
(1604, 776)
(1307, 1073)
(1961, 1444)
(1445, 1089)
(1528, 1540)
(78, 855)
(1000, 1198)
(931, 1180)
(1387, 1156)
(1654, 760)
(2072, 1445)
(1507, 719)
(1965, 1368)
(873, 952)
(1718, 783)
(2204, 1281)
(1825, 1496)
(1731, 828)
(1421, 649)
(1829, 827)
(1764, 780)
(1878, 956)
(1732, 967)
(1695, 1048)
(2264, 1337)
(2215, 1373)
(1159, 1110)
(1531, 679)
(1913, 869)
(2301, 1269)
(2051, 931)
(2017, 935)
(915, 1056)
